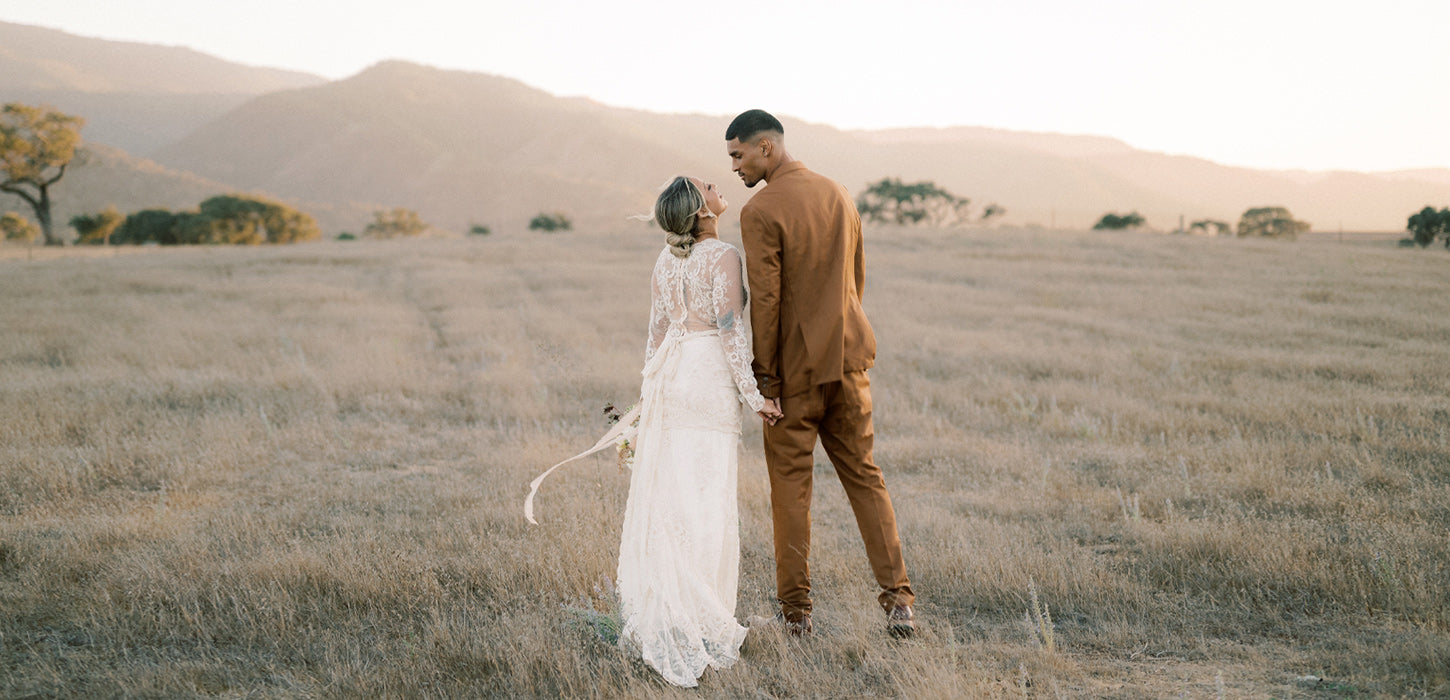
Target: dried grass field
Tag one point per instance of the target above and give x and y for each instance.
(1221, 466)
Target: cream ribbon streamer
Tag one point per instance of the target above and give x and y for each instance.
(666, 354)
(624, 429)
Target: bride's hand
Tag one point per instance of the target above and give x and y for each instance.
(771, 413)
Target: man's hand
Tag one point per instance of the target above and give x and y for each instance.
(771, 413)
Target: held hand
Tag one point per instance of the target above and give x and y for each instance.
(771, 412)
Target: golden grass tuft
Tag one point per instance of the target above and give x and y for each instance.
(1222, 465)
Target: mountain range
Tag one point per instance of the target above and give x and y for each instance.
(169, 126)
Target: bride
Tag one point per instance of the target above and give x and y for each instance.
(679, 553)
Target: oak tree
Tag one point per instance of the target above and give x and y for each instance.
(1428, 224)
(893, 201)
(36, 145)
(1272, 222)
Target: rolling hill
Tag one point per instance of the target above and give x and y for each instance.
(134, 96)
(466, 148)
(456, 146)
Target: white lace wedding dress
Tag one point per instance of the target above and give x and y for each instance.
(679, 555)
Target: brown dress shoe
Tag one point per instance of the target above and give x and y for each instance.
(800, 627)
(900, 622)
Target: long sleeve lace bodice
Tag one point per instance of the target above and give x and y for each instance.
(702, 292)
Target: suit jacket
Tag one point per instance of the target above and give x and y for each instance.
(803, 253)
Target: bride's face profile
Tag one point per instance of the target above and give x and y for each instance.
(714, 201)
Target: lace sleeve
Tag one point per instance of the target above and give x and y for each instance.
(728, 295)
(659, 318)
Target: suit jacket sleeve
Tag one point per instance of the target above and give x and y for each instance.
(762, 267)
(860, 261)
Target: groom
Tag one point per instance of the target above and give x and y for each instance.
(813, 345)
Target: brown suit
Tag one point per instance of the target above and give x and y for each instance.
(813, 344)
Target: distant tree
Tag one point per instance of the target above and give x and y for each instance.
(1272, 222)
(96, 229)
(36, 145)
(18, 228)
(550, 223)
(1428, 224)
(478, 230)
(1118, 222)
(1210, 227)
(345, 236)
(892, 201)
(243, 219)
(224, 219)
(993, 211)
(395, 223)
(160, 226)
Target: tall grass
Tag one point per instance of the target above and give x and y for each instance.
(1221, 465)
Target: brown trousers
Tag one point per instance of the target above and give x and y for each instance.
(840, 414)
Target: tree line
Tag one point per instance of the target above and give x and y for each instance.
(924, 203)
(892, 201)
(37, 145)
(1269, 222)
(224, 219)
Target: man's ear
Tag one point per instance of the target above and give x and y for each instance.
(766, 146)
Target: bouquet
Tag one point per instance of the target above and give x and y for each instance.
(623, 446)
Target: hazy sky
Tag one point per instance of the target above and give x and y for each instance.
(1314, 84)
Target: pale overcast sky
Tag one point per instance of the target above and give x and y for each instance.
(1312, 84)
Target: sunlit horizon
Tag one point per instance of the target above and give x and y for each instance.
(1298, 87)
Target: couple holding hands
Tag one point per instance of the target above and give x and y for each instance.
(781, 330)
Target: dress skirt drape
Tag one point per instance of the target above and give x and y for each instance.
(679, 552)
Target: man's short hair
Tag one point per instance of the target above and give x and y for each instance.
(751, 123)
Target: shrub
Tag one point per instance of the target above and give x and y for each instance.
(18, 228)
(96, 229)
(396, 223)
(478, 230)
(226, 219)
(549, 223)
(1118, 222)
(151, 226)
(242, 219)
(345, 236)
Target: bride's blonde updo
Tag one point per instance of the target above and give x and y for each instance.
(678, 213)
